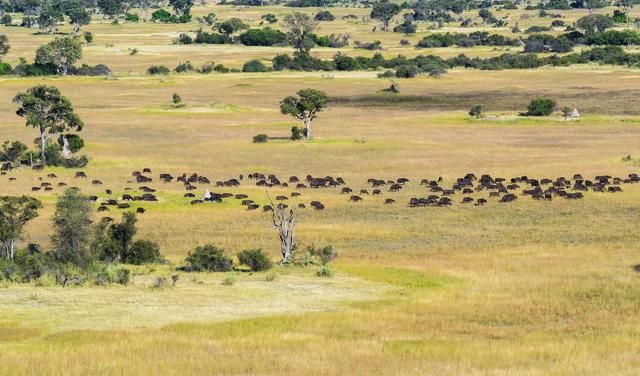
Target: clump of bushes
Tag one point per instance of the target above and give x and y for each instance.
(541, 107)
(207, 258)
(324, 15)
(260, 138)
(255, 66)
(255, 259)
(297, 133)
(476, 111)
(184, 67)
(263, 37)
(158, 69)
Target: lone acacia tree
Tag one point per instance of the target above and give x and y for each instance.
(384, 11)
(284, 220)
(50, 112)
(15, 212)
(305, 107)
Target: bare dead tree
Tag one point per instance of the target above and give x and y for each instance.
(284, 220)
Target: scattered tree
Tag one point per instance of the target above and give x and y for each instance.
(305, 107)
(15, 212)
(61, 53)
(50, 112)
(300, 28)
(72, 228)
(594, 22)
(384, 11)
(78, 17)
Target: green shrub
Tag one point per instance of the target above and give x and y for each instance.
(158, 69)
(6, 19)
(123, 277)
(260, 138)
(271, 276)
(142, 252)
(184, 39)
(184, 67)
(255, 259)
(208, 258)
(270, 18)
(263, 37)
(129, 17)
(541, 107)
(5, 68)
(254, 66)
(476, 111)
(211, 38)
(296, 133)
(407, 71)
(325, 271)
(324, 15)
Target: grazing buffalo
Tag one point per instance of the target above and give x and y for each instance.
(509, 198)
(389, 201)
(80, 174)
(140, 210)
(317, 205)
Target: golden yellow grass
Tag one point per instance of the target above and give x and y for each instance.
(530, 288)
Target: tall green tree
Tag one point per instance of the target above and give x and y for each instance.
(61, 53)
(181, 7)
(384, 11)
(45, 109)
(49, 18)
(78, 17)
(305, 107)
(72, 228)
(300, 28)
(594, 22)
(15, 212)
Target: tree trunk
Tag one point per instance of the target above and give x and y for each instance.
(307, 124)
(43, 145)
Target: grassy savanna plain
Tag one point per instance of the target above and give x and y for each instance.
(525, 288)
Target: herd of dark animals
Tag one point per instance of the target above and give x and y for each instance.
(504, 190)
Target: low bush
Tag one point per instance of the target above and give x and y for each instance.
(325, 271)
(324, 15)
(184, 67)
(255, 66)
(260, 138)
(263, 37)
(142, 252)
(207, 258)
(541, 107)
(255, 259)
(158, 69)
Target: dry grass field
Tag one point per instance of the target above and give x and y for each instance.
(523, 288)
